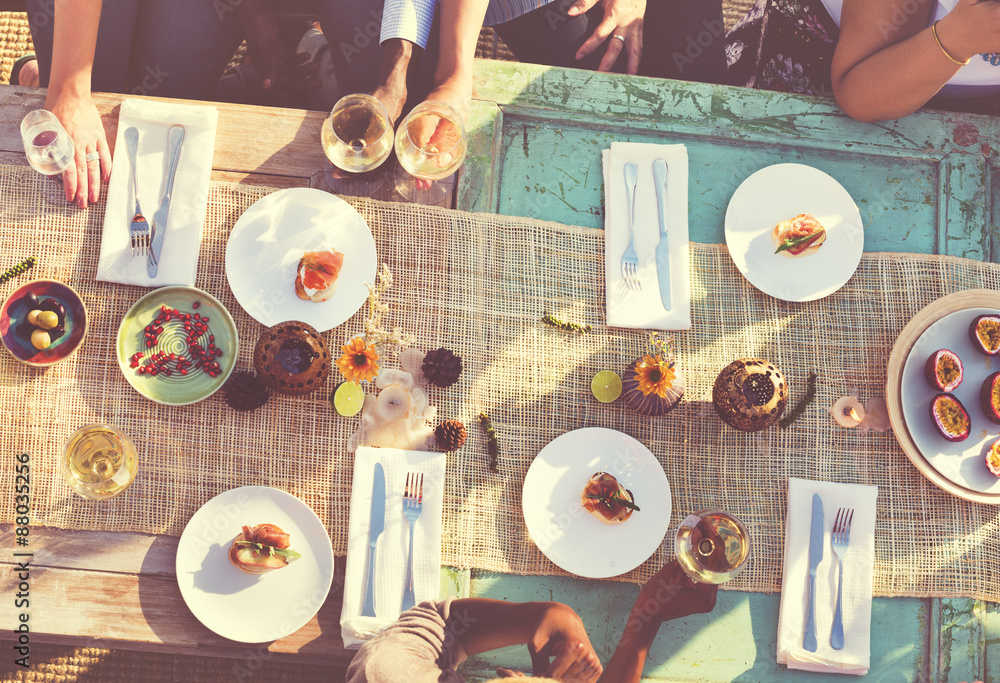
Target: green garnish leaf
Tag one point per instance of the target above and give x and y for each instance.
(796, 241)
(287, 553)
(613, 499)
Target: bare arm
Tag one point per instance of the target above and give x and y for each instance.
(461, 21)
(549, 629)
(68, 97)
(887, 63)
(670, 594)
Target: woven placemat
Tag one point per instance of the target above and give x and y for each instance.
(478, 284)
(15, 41)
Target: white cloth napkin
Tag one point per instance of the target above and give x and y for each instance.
(859, 565)
(188, 204)
(644, 309)
(393, 544)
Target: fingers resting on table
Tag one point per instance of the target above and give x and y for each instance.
(619, 30)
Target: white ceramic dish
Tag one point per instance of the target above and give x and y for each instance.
(569, 535)
(781, 192)
(253, 608)
(263, 252)
(962, 462)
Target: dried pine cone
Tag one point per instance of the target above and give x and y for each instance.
(246, 391)
(450, 435)
(442, 367)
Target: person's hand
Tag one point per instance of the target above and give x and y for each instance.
(621, 18)
(78, 115)
(672, 594)
(972, 28)
(439, 133)
(282, 74)
(560, 647)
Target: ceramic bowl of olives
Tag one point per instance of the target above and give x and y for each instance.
(43, 322)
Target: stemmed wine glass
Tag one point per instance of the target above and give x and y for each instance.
(712, 546)
(49, 150)
(357, 139)
(430, 146)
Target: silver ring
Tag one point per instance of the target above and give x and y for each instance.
(93, 156)
(621, 38)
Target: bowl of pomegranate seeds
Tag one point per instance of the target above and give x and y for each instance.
(177, 345)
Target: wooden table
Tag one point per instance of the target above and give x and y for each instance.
(924, 184)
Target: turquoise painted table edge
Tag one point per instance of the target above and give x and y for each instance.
(913, 639)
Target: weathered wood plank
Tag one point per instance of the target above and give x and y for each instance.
(265, 140)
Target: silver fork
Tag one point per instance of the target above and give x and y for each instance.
(630, 260)
(840, 536)
(413, 504)
(139, 229)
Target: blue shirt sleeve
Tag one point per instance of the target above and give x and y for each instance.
(408, 19)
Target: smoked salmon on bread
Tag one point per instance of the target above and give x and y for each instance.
(317, 274)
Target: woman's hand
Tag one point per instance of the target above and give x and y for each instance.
(78, 115)
(972, 28)
(621, 18)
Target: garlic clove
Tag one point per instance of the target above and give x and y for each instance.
(411, 360)
(848, 411)
(877, 415)
(389, 376)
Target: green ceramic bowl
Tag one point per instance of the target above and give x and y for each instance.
(177, 389)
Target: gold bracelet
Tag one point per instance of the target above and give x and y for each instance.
(946, 53)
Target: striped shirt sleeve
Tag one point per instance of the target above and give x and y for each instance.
(408, 19)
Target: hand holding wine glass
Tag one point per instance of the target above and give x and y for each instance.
(357, 139)
(712, 546)
(47, 147)
(431, 145)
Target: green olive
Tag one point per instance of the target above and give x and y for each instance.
(40, 339)
(47, 320)
(33, 317)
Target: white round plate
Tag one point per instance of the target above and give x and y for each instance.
(263, 252)
(963, 462)
(569, 535)
(253, 608)
(781, 192)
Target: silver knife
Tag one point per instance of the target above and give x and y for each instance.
(375, 528)
(175, 137)
(663, 248)
(816, 546)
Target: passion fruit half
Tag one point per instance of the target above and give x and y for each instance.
(950, 417)
(985, 334)
(943, 370)
(989, 397)
(993, 458)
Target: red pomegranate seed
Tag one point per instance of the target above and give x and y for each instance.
(196, 304)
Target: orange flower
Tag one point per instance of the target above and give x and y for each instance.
(655, 375)
(359, 361)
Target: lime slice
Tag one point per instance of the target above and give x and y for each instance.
(607, 386)
(348, 398)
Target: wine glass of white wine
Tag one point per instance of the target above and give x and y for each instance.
(357, 139)
(99, 461)
(49, 150)
(712, 546)
(430, 147)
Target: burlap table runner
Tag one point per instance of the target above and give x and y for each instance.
(479, 284)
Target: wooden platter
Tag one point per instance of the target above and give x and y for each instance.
(946, 305)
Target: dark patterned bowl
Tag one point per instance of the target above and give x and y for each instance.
(15, 311)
